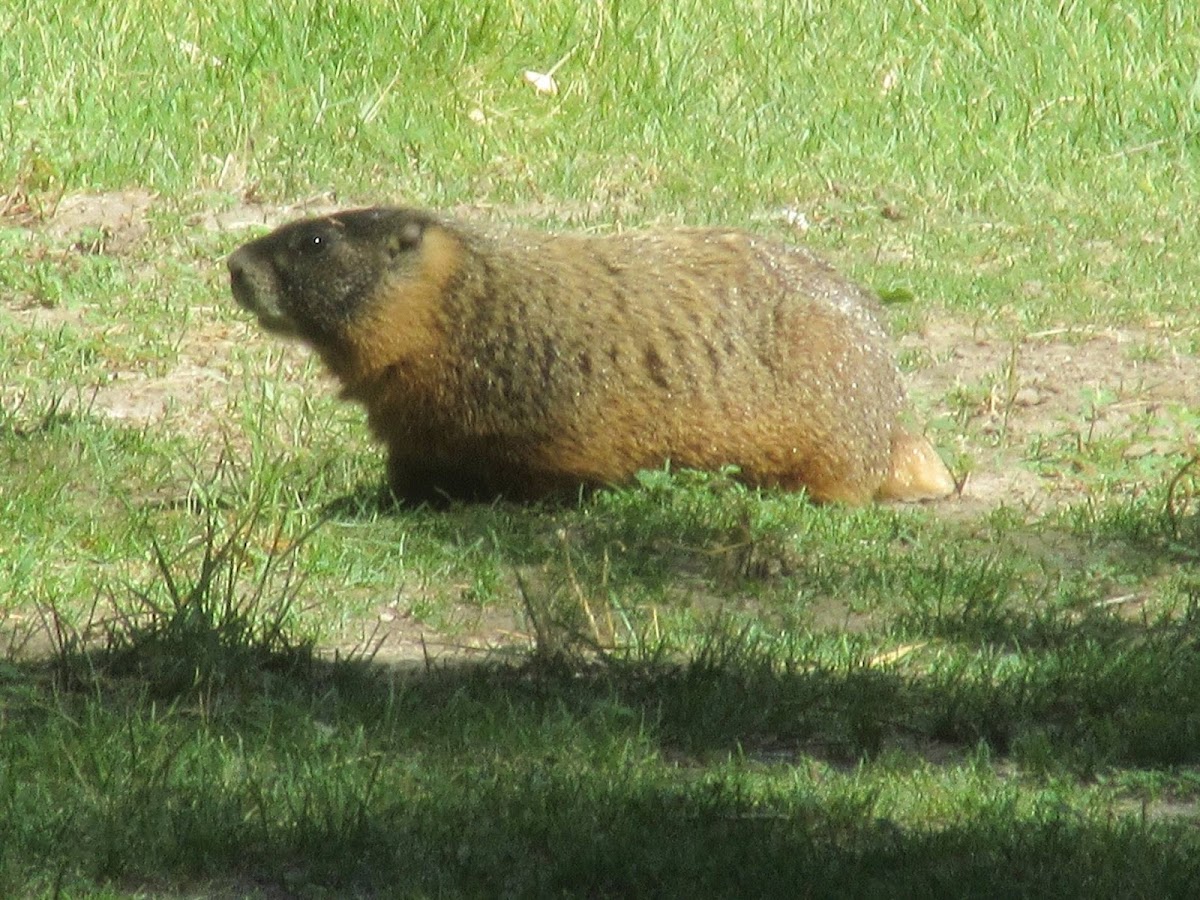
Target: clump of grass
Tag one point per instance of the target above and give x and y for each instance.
(219, 613)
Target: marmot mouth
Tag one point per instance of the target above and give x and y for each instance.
(275, 322)
(269, 316)
(251, 298)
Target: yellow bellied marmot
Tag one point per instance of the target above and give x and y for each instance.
(522, 364)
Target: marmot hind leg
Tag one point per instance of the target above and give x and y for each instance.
(413, 484)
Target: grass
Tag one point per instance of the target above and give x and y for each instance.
(227, 670)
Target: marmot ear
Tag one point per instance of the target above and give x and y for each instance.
(409, 237)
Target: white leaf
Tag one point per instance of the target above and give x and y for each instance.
(544, 84)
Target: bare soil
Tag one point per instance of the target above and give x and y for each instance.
(1058, 387)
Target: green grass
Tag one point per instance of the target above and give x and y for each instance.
(226, 669)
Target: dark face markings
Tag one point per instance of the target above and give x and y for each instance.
(325, 269)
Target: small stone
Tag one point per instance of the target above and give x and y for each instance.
(1027, 396)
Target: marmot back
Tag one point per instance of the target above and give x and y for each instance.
(524, 364)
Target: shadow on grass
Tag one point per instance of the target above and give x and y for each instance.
(740, 772)
(1066, 685)
(203, 746)
(382, 826)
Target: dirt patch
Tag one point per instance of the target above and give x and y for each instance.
(1055, 388)
(195, 394)
(252, 213)
(136, 398)
(111, 222)
(394, 637)
(194, 397)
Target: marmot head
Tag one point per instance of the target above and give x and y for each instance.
(315, 278)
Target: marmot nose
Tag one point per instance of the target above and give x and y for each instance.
(239, 276)
(237, 265)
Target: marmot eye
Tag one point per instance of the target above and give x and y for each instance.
(314, 243)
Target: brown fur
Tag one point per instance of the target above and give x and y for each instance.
(525, 364)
